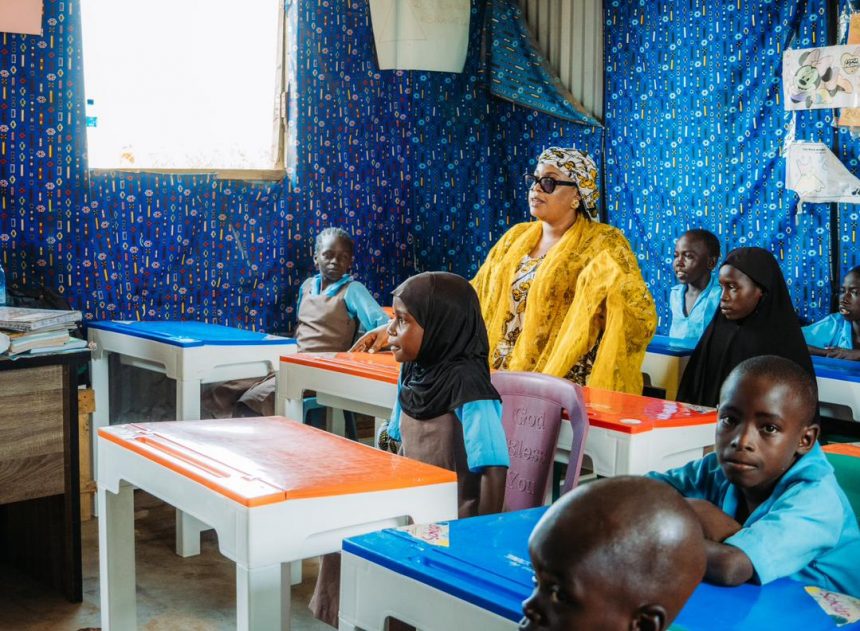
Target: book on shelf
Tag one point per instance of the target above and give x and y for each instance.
(22, 319)
(73, 343)
(30, 341)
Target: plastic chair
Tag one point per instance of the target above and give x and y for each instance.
(845, 460)
(532, 406)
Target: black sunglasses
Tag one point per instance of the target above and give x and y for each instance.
(547, 184)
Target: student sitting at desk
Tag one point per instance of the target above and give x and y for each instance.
(767, 498)
(756, 317)
(332, 309)
(695, 299)
(447, 412)
(838, 335)
(617, 554)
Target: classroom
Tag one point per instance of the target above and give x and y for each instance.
(429, 314)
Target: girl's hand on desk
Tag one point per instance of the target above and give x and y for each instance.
(844, 353)
(372, 341)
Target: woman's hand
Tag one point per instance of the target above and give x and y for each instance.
(372, 341)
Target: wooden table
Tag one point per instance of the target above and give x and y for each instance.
(40, 529)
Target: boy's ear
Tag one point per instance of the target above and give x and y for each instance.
(807, 439)
(712, 262)
(649, 618)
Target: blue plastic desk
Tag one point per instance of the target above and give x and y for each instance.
(665, 360)
(480, 581)
(839, 382)
(192, 353)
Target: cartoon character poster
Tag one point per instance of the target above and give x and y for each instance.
(816, 175)
(817, 78)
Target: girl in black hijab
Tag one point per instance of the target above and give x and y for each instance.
(447, 412)
(755, 317)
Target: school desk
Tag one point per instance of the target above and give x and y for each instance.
(839, 382)
(192, 353)
(474, 574)
(275, 491)
(665, 361)
(628, 434)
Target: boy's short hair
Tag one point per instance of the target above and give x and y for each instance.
(337, 233)
(854, 270)
(712, 243)
(783, 371)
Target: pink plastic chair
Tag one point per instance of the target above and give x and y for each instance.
(532, 406)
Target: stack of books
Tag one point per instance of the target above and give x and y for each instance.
(37, 331)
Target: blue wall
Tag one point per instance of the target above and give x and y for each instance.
(424, 168)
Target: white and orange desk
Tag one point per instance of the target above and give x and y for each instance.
(275, 491)
(628, 434)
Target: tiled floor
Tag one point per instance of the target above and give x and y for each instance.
(173, 594)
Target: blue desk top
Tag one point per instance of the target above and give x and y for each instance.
(189, 334)
(665, 345)
(841, 369)
(487, 564)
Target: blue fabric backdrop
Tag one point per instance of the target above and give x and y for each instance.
(425, 168)
(695, 122)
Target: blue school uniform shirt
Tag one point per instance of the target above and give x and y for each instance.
(483, 433)
(360, 305)
(806, 530)
(834, 331)
(692, 325)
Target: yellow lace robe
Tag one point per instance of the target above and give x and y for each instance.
(588, 283)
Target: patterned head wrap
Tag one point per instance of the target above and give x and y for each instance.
(580, 168)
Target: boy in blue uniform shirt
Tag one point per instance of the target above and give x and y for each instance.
(838, 335)
(767, 498)
(694, 301)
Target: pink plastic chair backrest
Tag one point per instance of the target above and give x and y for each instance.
(532, 405)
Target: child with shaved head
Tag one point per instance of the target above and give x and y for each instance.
(617, 554)
(767, 498)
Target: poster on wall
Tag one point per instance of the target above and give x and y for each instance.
(816, 175)
(850, 116)
(421, 34)
(818, 78)
(21, 16)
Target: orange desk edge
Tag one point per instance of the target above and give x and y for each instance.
(181, 446)
(378, 366)
(843, 449)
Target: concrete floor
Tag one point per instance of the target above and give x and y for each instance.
(194, 594)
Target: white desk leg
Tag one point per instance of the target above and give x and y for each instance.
(335, 422)
(294, 410)
(260, 601)
(99, 373)
(188, 528)
(116, 559)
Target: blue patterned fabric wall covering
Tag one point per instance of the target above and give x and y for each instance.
(849, 153)
(694, 126)
(42, 161)
(520, 73)
(424, 168)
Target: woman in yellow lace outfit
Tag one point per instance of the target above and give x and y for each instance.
(563, 295)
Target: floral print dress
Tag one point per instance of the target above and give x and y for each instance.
(523, 278)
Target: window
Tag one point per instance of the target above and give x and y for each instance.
(184, 84)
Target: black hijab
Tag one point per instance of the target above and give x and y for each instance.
(772, 329)
(452, 367)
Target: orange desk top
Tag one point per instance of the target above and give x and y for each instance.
(377, 366)
(257, 461)
(617, 411)
(843, 449)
